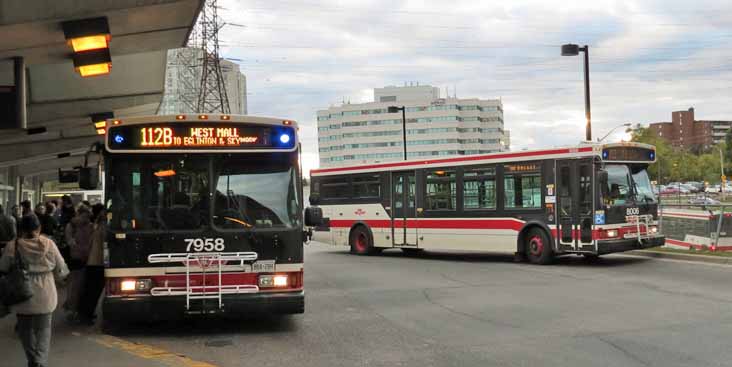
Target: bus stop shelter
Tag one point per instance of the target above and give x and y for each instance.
(46, 106)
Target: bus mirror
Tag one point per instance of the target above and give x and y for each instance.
(88, 178)
(313, 216)
(602, 178)
(314, 199)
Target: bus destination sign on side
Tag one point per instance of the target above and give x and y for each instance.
(192, 136)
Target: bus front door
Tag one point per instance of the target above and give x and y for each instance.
(574, 204)
(403, 221)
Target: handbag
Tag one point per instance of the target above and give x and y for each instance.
(15, 286)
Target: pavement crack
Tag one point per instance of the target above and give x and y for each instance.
(465, 314)
(624, 351)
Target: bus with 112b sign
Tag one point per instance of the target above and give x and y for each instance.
(591, 199)
(204, 217)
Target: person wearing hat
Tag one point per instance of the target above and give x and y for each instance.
(45, 267)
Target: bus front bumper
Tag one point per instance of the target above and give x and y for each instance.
(611, 246)
(149, 308)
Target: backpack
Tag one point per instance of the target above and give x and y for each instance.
(7, 228)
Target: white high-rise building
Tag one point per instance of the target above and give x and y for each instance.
(367, 133)
(236, 84)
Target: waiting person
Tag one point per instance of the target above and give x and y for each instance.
(49, 224)
(25, 207)
(94, 278)
(45, 266)
(78, 237)
(15, 213)
(8, 228)
(67, 211)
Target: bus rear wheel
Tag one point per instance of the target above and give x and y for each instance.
(538, 247)
(361, 243)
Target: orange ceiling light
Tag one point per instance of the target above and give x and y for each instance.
(94, 70)
(100, 121)
(89, 42)
(89, 38)
(165, 173)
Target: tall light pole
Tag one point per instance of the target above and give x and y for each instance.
(395, 109)
(627, 124)
(574, 50)
(723, 179)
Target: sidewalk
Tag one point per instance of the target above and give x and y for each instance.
(71, 346)
(721, 260)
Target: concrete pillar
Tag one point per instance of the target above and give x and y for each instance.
(16, 181)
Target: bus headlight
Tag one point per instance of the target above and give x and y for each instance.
(269, 281)
(611, 233)
(653, 230)
(133, 285)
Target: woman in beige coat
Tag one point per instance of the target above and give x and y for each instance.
(45, 268)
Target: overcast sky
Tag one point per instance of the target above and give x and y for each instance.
(647, 58)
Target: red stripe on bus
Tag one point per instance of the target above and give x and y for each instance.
(511, 224)
(457, 159)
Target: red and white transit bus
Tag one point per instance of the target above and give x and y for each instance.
(590, 199)
(205, 216)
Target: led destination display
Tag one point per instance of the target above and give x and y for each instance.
(196, 135)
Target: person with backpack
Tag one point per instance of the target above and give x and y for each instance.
(78, 236)
(45, 266)
(8, 228)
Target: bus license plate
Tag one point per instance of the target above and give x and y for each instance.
(264, 266)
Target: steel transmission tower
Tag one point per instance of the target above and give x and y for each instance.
(212, 92)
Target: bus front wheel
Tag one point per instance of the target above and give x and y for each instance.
(537, 246)
(361, 243)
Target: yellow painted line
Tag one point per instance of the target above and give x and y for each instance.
(149, 352)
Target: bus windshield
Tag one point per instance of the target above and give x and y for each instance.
(255, 193)
(625, 186)
(174, 192)
(618, 189)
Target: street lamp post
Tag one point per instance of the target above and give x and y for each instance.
(722, 180)
(395, 109)
(627, 124)
(574, 50)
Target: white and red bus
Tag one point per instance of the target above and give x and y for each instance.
(205, 216)
(590, 199)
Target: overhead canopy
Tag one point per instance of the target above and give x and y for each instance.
(62, 101)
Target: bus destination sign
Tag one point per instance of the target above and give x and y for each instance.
(192, 136)
(629, 154)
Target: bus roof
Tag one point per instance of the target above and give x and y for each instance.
(207, 117)
(582, 150)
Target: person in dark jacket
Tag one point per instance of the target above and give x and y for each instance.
(8, 228)
(49, 225)
(45, 268)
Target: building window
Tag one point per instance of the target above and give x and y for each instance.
(441, 190)
(479, 189)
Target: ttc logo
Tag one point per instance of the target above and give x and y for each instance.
(359, 211)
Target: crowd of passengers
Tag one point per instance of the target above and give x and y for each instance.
(61, 244)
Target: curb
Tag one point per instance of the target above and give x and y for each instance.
(685, 257)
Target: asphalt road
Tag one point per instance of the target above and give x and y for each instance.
(446, 310)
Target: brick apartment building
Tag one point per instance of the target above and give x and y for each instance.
(684, 131)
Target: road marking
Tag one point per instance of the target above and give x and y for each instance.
(148, 352)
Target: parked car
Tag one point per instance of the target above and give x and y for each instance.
(713, 188)
(704, 200)
(670, 190)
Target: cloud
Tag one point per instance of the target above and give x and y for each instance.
(648, 58)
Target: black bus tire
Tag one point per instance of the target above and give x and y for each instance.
(538, 247)
(360, 241)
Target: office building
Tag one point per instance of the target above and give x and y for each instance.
(436, 127)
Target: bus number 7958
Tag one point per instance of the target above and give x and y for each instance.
(205, 244)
